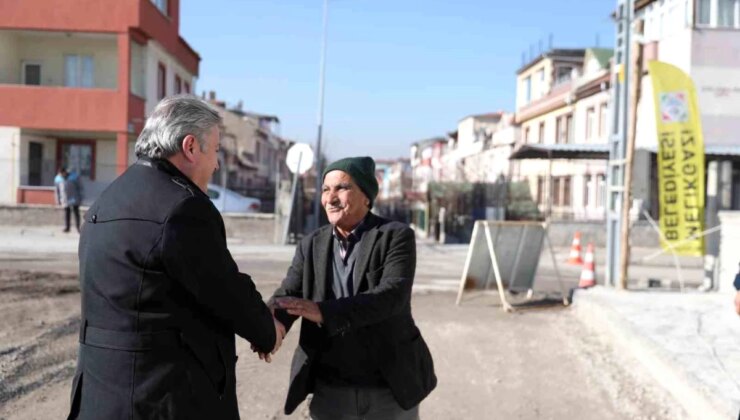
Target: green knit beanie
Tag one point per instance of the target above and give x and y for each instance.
(362, 171)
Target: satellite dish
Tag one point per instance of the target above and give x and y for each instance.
(302, 152)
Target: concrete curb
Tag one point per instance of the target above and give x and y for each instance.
(689, 392)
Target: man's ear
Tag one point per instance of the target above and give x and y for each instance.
(188, 147)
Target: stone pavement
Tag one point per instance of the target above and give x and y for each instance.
(688, 342)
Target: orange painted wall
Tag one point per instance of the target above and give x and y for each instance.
(62, 108)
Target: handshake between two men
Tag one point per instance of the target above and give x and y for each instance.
(307, 309)
(163, 300)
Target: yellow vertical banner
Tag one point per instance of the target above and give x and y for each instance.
(680, 159)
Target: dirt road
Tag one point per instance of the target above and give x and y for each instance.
(534, 364)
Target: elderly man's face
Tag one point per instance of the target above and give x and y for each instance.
(345, 203)
(207, 161)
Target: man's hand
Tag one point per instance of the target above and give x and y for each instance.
(737, 302)
(302, 307)
(279, 335)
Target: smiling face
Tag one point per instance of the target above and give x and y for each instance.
(345, 203)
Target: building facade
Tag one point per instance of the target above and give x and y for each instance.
(702, 38)
(562, 98)
(77, 80)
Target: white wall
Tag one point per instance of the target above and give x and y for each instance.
(580, 115)
(10, 139)
(155, 54)
(9, 61)
(715, 69)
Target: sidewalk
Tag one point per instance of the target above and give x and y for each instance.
(689, 343)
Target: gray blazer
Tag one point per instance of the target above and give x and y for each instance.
(380, 311)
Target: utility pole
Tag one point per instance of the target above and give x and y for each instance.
(636, 84)
(322, 76)
(619, 108)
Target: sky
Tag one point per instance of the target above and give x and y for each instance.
(397, 71)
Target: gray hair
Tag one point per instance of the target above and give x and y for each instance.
(174, 118)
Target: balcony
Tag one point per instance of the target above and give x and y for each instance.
(60, 80)
(61, 108)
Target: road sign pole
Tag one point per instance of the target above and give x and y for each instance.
(286, 227)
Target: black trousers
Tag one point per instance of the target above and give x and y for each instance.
(76, 210)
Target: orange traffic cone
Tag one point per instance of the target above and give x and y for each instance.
(575, 250)
(588, 275)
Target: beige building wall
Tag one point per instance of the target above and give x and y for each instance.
(154, 55)
(9, 61)
(599, 104)
(541, 75)
(49, 49)
(105, 160)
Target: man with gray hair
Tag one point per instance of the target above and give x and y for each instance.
(161, 295)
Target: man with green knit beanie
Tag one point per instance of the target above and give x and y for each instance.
(360, 354)
(362, 171)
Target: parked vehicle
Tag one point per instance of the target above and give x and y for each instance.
(228, 201)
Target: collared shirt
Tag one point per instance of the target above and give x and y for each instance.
(343, 260)
(347, 245)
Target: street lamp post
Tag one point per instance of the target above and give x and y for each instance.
(319, 169)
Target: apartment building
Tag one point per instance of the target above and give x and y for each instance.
(252, 152)
(562, 103)
(478, 151)
(77, 80)
(702, 38)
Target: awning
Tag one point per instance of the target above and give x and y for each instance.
(601, 151)
(561, 151)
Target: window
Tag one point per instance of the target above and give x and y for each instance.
(718, 13)
(31, 74)
(541, 134)
(77, 156)
(727, 13)
(602, 120)
(569, 128)
(540, 83)
(556, 190)
(590, 121)
(703, 15)
(35, 162)
(600, 190)
(78, 71)
(161, 81)
(526, 135)
(587, 187)
(564, 129)
(541, 185)
(563, 74)
(178, 85)
(566, 191)
(186, 87)
(527, 89)
(162, 6)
